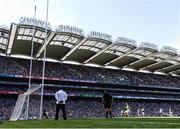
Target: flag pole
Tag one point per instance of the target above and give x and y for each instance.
(31, 61)
(44, 63)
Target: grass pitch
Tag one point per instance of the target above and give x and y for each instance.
(96, 123)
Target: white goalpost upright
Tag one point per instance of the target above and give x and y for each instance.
(30, 69)
(44, 63)
(29, 105)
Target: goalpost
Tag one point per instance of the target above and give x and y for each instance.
(30, 104)
(20, 111)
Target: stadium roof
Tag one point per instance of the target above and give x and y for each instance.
(68, 43)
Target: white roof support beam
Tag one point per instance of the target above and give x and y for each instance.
(12, 37)
(144, 68)
(146, 57)
(166, 60)
(129, 52)
(174, 65)
(51, 36)
(76, 47)
(176, 75)
(175, 71)
(98, 53)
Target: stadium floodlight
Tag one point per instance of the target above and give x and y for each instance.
(99, 35)
(170, 50)
(126, 41)
(149, 45)
(36, 22)
(70, 29)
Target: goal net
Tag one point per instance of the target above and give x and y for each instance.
(22, 109)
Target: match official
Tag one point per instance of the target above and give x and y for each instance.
(61, 98)
(107, 101)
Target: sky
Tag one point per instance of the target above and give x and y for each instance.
(155, 21)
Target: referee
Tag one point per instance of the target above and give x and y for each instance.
(61, 98)
(107, 101)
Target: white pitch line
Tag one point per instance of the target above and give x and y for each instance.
(170, 123)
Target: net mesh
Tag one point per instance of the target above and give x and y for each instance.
(20, 111)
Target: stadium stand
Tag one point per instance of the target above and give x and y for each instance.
(86, 108)
(141, 87)
(82, 73)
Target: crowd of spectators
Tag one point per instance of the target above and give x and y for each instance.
(9, 65)
(89, 107)
(6, 107)
(86, 108)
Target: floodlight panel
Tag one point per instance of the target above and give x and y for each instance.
(143, 52)
(118, 53)
(26, 31)
(43, 35)
(73, 40)
(68, 45)
(27, 34)
(114, 47)
(35, 39)
(2, 46)
(21, 31)
(38, 33)
(3, 43)
(24, 37)
(94, 49)
(56, 37)
(90, 43)
(65, 38)
(122, 49)
(29, 38)
(40, 41)
(135, 55)
(100, 45)
(162, 55)
(19, 37)
(84, 47)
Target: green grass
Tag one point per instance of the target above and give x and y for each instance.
(96, 123)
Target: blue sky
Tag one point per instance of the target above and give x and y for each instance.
(156, 21)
